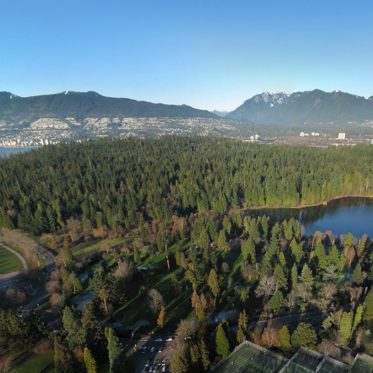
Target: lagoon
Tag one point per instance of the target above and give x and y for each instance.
(341, 216)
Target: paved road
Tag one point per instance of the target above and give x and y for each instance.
(289, 319)
(9, 275)
(149, 353)
(41, 293)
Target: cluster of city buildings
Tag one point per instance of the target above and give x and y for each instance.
(306, 134)
(341, 135)
(10, 143)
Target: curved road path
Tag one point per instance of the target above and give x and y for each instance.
(19, 256)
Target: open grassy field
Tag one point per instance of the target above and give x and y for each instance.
(35, 363)
(8, 261)
(98, 245)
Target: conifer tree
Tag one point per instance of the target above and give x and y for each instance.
(222, 343)
(63, 360)
(284, 338)
(345, 327)
(72, 325)
(294, 277)
(213, 283)
(358, 316)
(307, 277)
(357, 275)
(89, 361)
(368, 314)
(222, 241)
(115, 352)
(204, 352)
(296, 250)
(280, 278)
(304, 336)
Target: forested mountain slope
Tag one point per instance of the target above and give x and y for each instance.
(305, 108)
(87, 104)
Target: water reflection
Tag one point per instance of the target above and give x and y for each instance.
(352, 214)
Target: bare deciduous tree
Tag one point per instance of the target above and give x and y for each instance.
(155, 300)
(267, 286)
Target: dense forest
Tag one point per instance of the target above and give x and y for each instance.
(119, 183)
(273, 286)
(157, 225)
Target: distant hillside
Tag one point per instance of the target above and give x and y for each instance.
(87, 104)
(309, 107)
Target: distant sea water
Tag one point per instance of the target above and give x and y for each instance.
(7, 151)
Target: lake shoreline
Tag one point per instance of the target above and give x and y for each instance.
(303, 206)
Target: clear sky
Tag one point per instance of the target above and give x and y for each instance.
(210, 54)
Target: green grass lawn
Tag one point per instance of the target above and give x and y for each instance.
(8, 261)
(91, 247)
(35, 363)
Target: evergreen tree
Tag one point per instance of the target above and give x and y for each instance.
(307, 277)
(294, 277)
(284, 339)
(204, 240)
(276, 301)
(280, 278)
(179, 362)
(368, 314)
(222, 241)
(72, 325)
(345, 327)
(204, 352)
(357, 275)
(304, 336)
(115, 352)
(222, 343)
(282, 260)
(89, 361)
(358, 316)
(240, 335)
(321, 256)
(194, 354)
(296, 251)
(213, 283)
(241, 327)
(248, 251)
(136, 255)
(63, 360)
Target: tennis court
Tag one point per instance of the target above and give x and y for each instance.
(362, 364)
(250, 358)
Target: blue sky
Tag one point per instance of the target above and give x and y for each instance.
(205, 53)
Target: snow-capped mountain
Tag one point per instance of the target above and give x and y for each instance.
(308, 107)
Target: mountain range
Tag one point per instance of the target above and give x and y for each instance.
(81, 115)
(303, 108)
(296, 109)
(87, 104)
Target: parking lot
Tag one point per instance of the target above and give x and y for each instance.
(149, 355)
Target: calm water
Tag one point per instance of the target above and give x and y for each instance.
(341, 216)
(5, 151)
